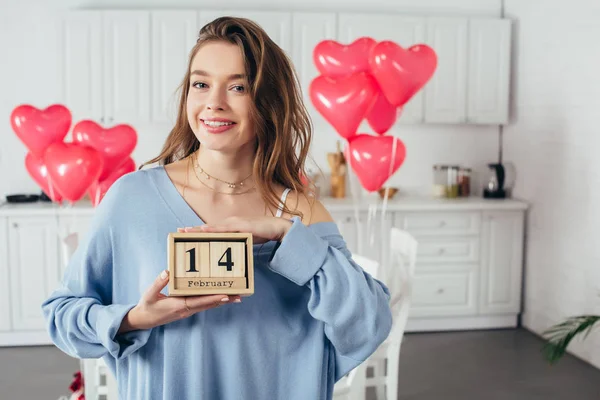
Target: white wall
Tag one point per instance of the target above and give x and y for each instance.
(554, 143)
(28, 74)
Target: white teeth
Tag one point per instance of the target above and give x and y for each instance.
(217, 123)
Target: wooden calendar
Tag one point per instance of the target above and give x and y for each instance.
(210, 263)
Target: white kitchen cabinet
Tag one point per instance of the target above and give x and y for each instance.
(502, 262)
(104, 58)
(81, 64)
(308, 30)
(278, 25)
(403, 30)
(5, 303)
(34, 272)
(174, 34)
(489, 71)
(445, 93)
(70, 224)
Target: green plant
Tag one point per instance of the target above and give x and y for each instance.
(560, 335)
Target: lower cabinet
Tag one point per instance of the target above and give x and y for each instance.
(468, 273)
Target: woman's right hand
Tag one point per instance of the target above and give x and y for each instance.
(155, 309)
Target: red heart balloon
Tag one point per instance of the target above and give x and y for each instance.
(114, 144)
(98, 190)
(72, 168)
(38, 171)
(383, 114)
(402, 73)
(336, 60)
(344, 102)
(375, 158)
(38, 129)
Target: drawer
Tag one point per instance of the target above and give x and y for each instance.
(434, 250)
(439, 223)
(444, 294)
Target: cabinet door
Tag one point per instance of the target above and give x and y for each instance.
(502, 262)
(489, 71)
(69, 225)
(174, 34)
(366, 237)
(445, 93)
(278, 25)
(34, 268)
(126, 70)
(404, 31)
(81, 64)
(4, 277)
(309, 30)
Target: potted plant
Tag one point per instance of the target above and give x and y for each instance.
(560, 335)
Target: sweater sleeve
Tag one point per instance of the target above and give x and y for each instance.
(353, 306)
(80, 317)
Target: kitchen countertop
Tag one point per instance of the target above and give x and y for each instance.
(398, 203)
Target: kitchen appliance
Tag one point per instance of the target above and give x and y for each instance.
(494, 185)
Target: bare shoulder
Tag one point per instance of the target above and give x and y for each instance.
(313, 211)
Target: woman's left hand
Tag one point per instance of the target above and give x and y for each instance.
(263, 229)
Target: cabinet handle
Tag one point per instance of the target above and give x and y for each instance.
(441, 250)
(442, 224)
(102, 119)
(440, 291)
(110, 120)
(348, 219)
(15, 225)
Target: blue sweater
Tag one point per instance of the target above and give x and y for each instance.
(314, 316)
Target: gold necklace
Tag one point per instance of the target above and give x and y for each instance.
(217, 191)
(232, 185)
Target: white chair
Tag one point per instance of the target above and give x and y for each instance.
(384, 363)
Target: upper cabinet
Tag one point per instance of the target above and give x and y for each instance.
(104, 58)
(174, 34)
(278, 25)
(489, 71)
(126, 66)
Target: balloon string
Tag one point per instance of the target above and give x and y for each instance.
(355, 201)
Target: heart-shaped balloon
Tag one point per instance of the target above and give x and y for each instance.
(114, 144)
(72, 168)
(337, 60)
(375, 158)
(402, 72)
(344, 102)
(383, 115)
(38, 171)
(98, 190)
(38, 129)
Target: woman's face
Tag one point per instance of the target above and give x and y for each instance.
(218, 102)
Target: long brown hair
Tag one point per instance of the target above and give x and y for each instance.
(278, 115)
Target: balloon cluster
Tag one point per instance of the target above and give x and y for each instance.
(373, 81)
(90, 164)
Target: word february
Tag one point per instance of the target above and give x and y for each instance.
(201, 283)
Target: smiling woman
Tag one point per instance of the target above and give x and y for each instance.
(231, 163)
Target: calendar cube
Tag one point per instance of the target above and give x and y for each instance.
(210, 263)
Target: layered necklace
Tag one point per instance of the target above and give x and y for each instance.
(231, 185)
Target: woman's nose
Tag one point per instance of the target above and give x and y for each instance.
(216, 100)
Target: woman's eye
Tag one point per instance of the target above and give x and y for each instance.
(239, 88)
(199, 85)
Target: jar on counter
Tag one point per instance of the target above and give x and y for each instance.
(439, 180)
(452, 181)
(464, 182)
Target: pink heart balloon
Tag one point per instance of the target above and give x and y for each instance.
(383, 115)
(38, 171)
(402, 73)
(114, 144)
(337, 60)
(38, 129)
(72, 168)
(375, 158)
(344, 102)
(98, 190)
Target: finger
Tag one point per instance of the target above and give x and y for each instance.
(200, 303)
(159, 283)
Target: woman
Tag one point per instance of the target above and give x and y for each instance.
(229, 164)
